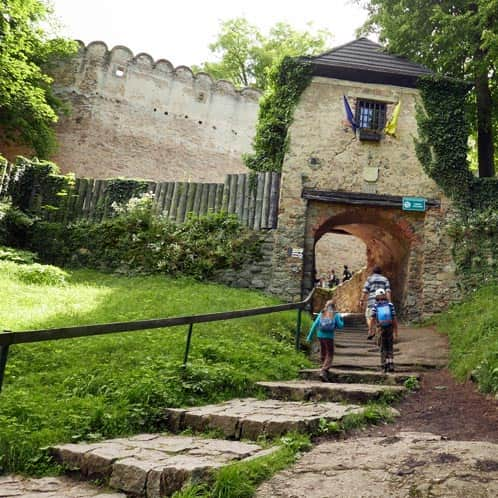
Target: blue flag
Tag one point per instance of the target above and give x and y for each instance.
(349, 114)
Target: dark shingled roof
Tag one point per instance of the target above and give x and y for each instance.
(366, 61)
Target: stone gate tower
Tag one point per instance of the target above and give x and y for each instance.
(336, 180)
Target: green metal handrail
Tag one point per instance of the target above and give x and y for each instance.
(9, 338)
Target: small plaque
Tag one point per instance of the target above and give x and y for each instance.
(295, 252)
(371, 174)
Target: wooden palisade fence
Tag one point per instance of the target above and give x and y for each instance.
(252, 197)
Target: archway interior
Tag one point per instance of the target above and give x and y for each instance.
(336, 249)
(385, 244)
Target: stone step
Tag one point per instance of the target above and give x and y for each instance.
(250, 418)
(358, 340)
(342, 350)
(351, 334)
(401, 363)
(51, 487)
(153, 465)
(310, 390)
(356, 352)
(359, 376)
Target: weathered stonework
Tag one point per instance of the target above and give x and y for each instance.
(136, 117)
(333, 251)
(324, 154)
(254, 274)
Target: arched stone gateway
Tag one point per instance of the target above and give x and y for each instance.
(348, 179)
(390, 239)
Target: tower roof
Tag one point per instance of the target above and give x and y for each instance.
(366, 61)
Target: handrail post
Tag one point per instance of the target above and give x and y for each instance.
(298, 329)
(4, 351)
(187, 348)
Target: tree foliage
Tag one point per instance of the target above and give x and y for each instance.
(28, 108)
(247, 55)
(456, 38)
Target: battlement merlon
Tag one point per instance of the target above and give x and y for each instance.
(97, 70)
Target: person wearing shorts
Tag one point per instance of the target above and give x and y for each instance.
(374, 282)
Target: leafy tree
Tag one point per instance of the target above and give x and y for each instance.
(458, 38)
(246, 55)
(28, 108)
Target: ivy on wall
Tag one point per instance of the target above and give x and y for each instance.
(475, 248)
(442, 150)
(442, 144)
(121, 190)
(287, 82)
(37, 187)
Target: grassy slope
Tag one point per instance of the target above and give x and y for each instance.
(472, 328)
(111, 385)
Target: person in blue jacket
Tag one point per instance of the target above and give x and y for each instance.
(325, 324)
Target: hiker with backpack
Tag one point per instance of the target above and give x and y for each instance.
(375, 281)
(324, 325)
(384, 318)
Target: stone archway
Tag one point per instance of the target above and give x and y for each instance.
(390, 235)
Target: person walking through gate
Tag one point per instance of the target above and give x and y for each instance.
(325, 323)
(384, 318)
(333, 279)
(346, 274)
(375, 281)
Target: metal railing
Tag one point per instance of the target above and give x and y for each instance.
(9, 338)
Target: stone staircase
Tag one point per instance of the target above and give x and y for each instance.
(156, 465)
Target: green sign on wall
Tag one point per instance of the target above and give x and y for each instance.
(413, 204)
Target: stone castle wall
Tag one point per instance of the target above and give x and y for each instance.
(255, 274)
(333, 251)
(135, 117)
(325, 154)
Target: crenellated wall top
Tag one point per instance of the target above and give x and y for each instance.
(98, 52)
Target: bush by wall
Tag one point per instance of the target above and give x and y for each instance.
(475, 248)
(119, 191)
(36, 187)
(136, 241)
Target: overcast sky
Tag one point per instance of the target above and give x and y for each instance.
(181, 30)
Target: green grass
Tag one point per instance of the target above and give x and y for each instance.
(240, 480)
(472, 328)
(90, 388)
(373, 413)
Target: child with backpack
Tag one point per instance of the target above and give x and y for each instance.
(325, 324)
(384, 318)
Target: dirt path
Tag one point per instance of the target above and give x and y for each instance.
(445, 443)
(444, 406)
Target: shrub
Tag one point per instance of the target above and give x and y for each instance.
(14, 227)
(475, 249)
(41, 274)
(17, 255)
(136, 241)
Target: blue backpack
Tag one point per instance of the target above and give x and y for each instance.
(384, 314)
(327, 324)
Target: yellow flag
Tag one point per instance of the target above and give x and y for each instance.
(391, 125)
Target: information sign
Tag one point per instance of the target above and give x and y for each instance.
(413, 204)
